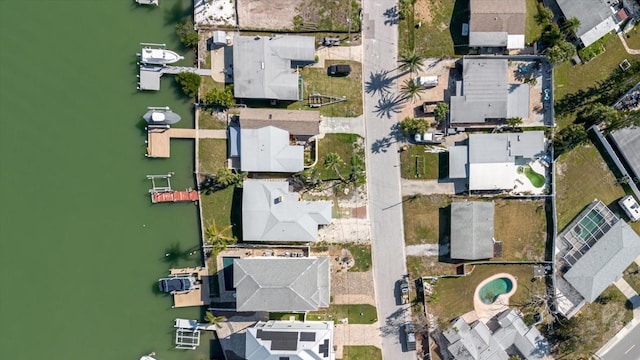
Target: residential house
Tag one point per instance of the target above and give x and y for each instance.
(270, 213)
(265, 149)
(300, 124)
(292, 340)
(490, 161)
(502, 336)
(595, 16)
(593, 251)
(472, 230)
(497, 24)
(281, 284)
(484, 95)
(627, 141)
(267, 67)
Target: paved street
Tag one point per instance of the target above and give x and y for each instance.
(380, 37)
(627, 349)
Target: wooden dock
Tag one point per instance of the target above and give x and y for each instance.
(198, 297)
(159, 139)
(174, 196)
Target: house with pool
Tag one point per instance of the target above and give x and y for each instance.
(591, 253)
(517, 163)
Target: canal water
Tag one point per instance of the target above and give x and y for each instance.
(81, 246)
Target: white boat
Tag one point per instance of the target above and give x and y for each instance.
(160, 116)
(158, 56)
(148, 2)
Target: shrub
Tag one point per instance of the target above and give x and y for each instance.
(190, 83)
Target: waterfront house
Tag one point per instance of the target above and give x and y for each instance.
(292, 340)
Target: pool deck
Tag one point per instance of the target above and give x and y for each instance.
(484, 312)
(197, 297)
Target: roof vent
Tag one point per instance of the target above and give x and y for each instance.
(270, 116)
(278, 200)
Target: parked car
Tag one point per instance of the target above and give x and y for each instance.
(427, 81)
(404, 290)
(339, 70)
(410, 336)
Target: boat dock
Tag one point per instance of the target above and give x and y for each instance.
(159, 138)
(149, 75)
(160, 194)
(198, 297)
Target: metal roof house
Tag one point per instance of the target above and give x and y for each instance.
(267, 149)
(265, 67)
(271, 213)
(504, 335)
(472, 230)
(497, 23)
(596, 18)
(281, 284)
(295, 122)
(293, 340)
(492, 159)
(627, 141)
(484, 94)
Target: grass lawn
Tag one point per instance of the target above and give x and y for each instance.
(453, 297)
(419, 266)
(343, 145)
(207, 83)
(351, 311)
(599, 321)
(583, 175)
(632, 276)
(285, 316)
(316, 81)
(521, 226)
(533, 30)
(434, 37)
(361, 255)
(362, 352)
(537, 180)
(435, 166)
(633, 39)
(426, 219)
(208, 121)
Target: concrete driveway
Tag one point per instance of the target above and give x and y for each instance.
(381, 108)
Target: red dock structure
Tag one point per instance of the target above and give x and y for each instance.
(174, 196)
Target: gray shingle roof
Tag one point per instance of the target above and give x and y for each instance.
(627, 141)
(472, 230)
(271, 213)
(262, 66)
(267, 149)
(296, 122)
(591, 13)
(605, 261)
(281, 284)
(458, 162)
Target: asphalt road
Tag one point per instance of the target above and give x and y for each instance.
(380, 38)
(627, 349)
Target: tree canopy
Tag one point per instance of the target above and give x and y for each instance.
(222, 98)
(414, 126)
(568, 138)
(187, 34)
(561, 52)
(441, 111)
(190, 83)
(411, 89)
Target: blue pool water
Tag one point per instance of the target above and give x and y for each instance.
(227, 264)
(490, 291)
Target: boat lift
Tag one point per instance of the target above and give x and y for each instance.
(156, 188)
(187, 334)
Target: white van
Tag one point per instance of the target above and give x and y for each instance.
(427, 81)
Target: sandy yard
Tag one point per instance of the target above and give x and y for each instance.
(432, 67)
(274, 14)
(536, 96)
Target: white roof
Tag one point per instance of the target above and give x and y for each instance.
(492, 176)
(598, 31)
(267, 149)
(515, 42)
(293, 340)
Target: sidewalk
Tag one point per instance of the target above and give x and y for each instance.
(632, 296)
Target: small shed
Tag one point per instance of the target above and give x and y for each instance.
(219, 38)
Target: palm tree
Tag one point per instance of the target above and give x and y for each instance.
(411, 89)
(218, 238)
(332, 161)
(214, 320)
(411, 61)
(570, 26)
(514, 122)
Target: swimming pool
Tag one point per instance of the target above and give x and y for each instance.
(490, 291)
(227, 265)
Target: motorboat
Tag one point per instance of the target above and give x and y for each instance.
(160, 116)
(148, 2)
(149, 356)
(158, 55)
(177, 284)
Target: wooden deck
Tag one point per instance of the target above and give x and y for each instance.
(198, 297)
(174, 196)
(159, 140)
